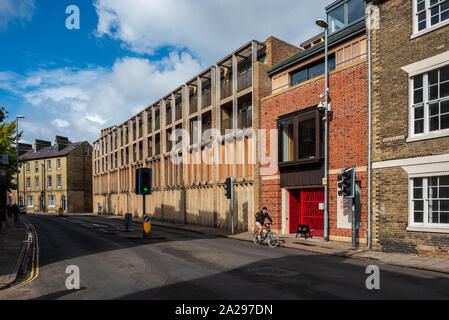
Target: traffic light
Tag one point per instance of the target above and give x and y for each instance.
(144, 179)
(229, 184)
(347, 183)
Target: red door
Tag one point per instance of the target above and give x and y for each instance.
(295, 210)
(304, 209)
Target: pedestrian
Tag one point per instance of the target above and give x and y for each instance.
(99, 208)
(16, 212)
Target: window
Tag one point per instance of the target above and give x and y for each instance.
(36, 182)
(28, 167)
(59, 181)
(429, 13)
(311, 71)
(245, 115)
(51, 201)
(430, 201)
(346, 14)
(28, 183)
(30, 202)
(36, 166)
(49, 182)
(49, 164)
(86, 151)
(430, 101)
(58, 164)
(301, 137)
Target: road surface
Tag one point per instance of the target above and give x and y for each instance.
(177, 264)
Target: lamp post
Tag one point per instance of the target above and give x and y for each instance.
(323, 24)
(17, 156)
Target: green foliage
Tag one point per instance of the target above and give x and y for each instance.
(7, 145)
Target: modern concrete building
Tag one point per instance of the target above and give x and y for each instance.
(225, 96)
(295, 192)
(56, 176)
(410, 60)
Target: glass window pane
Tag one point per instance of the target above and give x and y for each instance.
(417, 193)
(419, 112)
(433, 92)
(418, 96)
(445, 6)
(444, 181)
(444, 193)
(434, 123)
(422, 25)
(356, 10)
(435, 10)
(434, 20)
(421, 5)
(434, 109)
(444, 217)
(445, 106)
(433, 77)
(418, 217)
(417, 82)
(336, 19)
(419, 205)
(433, 193)
(307, 137)
(444, 90)
(445, 15)
(417, 182)
(444, 72)
(287, 141)
(444, 205)
(298, 77)
(445, 122)
(419, 126)
(433, 181)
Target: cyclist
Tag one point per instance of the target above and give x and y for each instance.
(260, 220)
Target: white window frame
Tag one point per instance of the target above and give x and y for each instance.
(411, 218)
(49, 182)
(30, 204)
(51, 201)
(58, 164)
(36, 166)
(28, 183)
(48, 165)
(28, 167)
(36, 182)
(59, 181)
(426, 102)
(429, 28)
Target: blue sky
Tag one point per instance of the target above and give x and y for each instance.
(125, 56)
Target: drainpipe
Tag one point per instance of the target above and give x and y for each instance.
(369, 125)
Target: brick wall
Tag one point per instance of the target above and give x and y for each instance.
(393, 48)
(347, 134)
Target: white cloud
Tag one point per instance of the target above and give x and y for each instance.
(79, 103)
(15, 10)
(60, 123)
(210, 29)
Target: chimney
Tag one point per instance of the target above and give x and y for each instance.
(24, 148)
(39, 144)
(61, 143)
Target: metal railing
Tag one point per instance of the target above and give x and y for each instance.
(226, 90)
(245, 80)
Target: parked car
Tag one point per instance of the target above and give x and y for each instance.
(22, 209)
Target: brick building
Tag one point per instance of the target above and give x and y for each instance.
(222, 97)
(411, 127)
(294, 193)
(56, 176)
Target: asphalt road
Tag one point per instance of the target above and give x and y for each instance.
(176, 264)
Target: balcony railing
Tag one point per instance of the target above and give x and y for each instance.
(207, 99)
(226, 89)
(178, 111)
(245, 80)
(193, 104)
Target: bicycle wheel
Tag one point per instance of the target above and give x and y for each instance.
(273, 239)
(256, 239)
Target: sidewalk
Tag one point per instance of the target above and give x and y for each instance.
(12, 248)
(318, 246)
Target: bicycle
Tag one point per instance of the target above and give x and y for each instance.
(273, 237)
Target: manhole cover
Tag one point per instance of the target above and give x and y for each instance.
(271, 271)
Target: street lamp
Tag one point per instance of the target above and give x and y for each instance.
(323, 24)
(17, 156)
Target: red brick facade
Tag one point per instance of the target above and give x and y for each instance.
(347, 136)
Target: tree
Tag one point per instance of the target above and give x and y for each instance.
(7, 146)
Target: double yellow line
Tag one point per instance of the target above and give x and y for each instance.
(34, 263)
